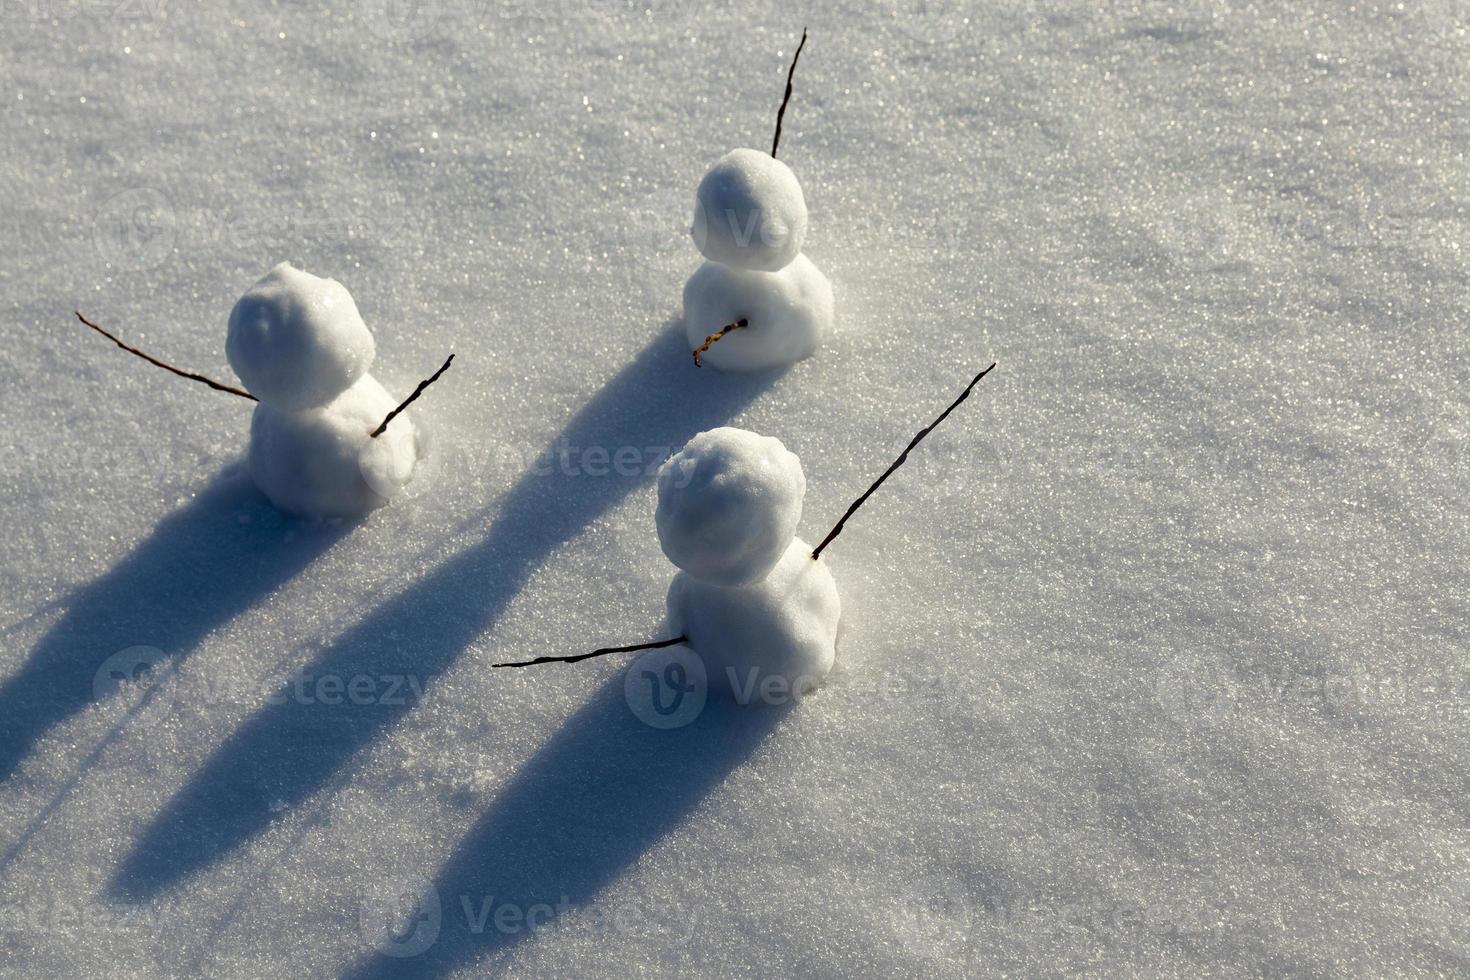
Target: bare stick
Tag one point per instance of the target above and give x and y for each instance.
(709, 341)
(169, 367)
(413, 397)
(789, 75)
(817, 552)
(597, 653)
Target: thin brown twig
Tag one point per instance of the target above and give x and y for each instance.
(413, 397)
(790, 74)
(596, 653)
(710, 341)
(817, 551)
(168, 367)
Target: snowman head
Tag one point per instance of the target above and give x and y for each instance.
(749, 212)
(297, 341)
(728, 505)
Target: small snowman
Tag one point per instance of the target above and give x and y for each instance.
(748, 597)
(320, 441)
(771, 304)
(751, 599)
(316, 447)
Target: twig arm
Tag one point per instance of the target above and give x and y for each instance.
(710, 341)
(790, 74)
(413, 397)
(596, 653)
(217, 386)
(817, 551)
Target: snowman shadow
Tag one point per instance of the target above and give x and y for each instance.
(290, 750)
(199, 568)
(603, 792)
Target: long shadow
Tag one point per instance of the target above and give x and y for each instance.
(591, 801)
(200, 567)
(292, 748)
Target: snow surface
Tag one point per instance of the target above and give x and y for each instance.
(1153, 658)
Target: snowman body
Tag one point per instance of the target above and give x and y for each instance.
(753, 603)
(301, 347)
(750, 222)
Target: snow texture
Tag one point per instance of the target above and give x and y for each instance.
(1153, 656)
(297, 341)
(749, 212)
(728, 505)
(788, 314)
(323, 462)
(777, 635)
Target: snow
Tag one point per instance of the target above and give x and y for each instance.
(771, 640)
(749, 212)
(729, 502)
(297, 340)
(325, 463)
(788, 314)
(1152, 657)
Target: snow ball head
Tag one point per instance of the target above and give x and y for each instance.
(297, 341)
(773, 640)
(728, 505)
(323, 463)
(789, 314)
(749, 212)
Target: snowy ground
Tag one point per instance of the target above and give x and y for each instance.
(1154, 660)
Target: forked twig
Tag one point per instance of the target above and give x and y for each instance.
(710, 341)
(217, 386)
(817, 551)
(790, 74)
(413, 397)
(596, 653)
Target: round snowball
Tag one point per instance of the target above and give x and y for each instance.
(297, 341)
(788, 313)
(323, 463)
(728, 505)
(749, 212)
(784, 626)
